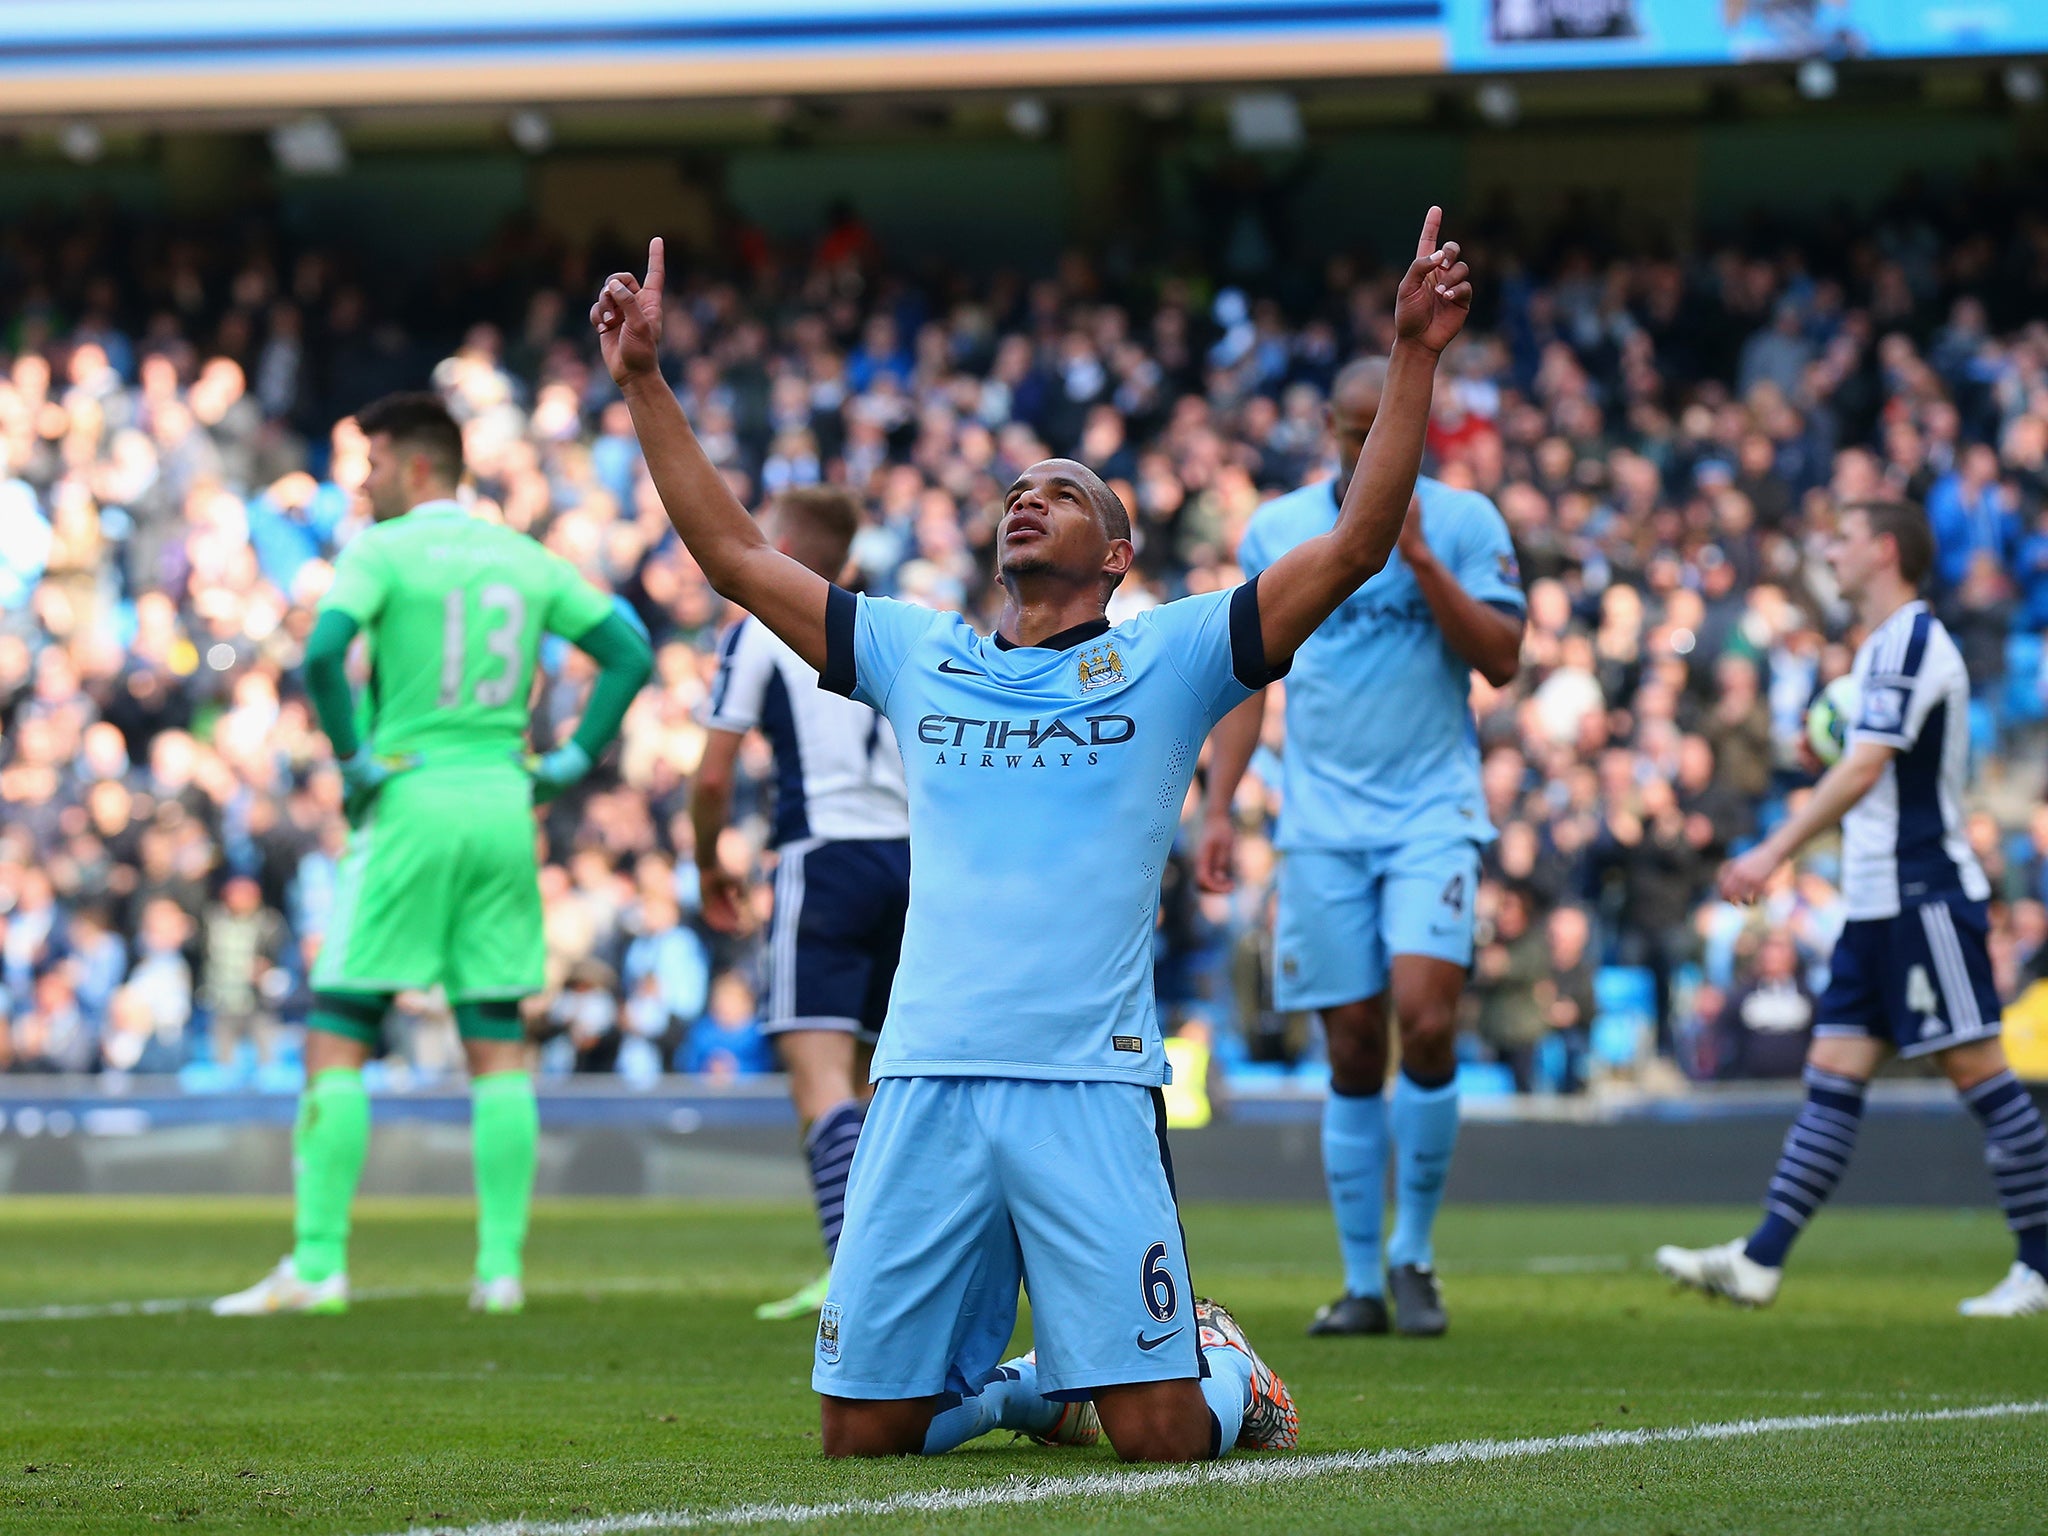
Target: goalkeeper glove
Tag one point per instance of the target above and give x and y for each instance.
(364, 774)
(553, 772)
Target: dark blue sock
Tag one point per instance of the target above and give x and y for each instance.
(830, 1148)
(2016, 1148)
(1816, 1150)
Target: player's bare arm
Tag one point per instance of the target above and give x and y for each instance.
(1231, 746)
(1744, 878)
(1305, 585)
(738, 561)
(723, 894)
(1485, 638)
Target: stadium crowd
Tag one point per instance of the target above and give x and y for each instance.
(1668, 436)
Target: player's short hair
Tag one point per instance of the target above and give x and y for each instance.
(1906, 526)
(1116, 518)
(829, 511)
(416, 420)
(1360, 373)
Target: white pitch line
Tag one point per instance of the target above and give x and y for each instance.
(1240, 1473)
(163, 1305)
(65, 1312)
(1576, 1264)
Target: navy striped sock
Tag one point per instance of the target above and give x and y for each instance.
(1816, 1150)
(2016, 1148)
(829, 1145)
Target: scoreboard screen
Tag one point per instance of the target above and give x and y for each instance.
(148, 55)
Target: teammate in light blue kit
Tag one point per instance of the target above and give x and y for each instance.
(1381, 824)
(1017, 1129)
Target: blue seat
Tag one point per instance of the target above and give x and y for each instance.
(1625, 1020)
(280, 1077)
(1621, 1039)
(1485, 1080)
(1625, 989)
(206, 1077)
(2020, 699)
(1983, 729)
(1553, 1063)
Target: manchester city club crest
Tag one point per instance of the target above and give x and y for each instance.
(1101, 667)
(828, 1334)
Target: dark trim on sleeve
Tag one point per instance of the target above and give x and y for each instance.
(1916, 644)
(840, 609)
(1519, 612)
(1248, 642)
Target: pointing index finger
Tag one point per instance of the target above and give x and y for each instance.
(1431, 222)
(657, 265)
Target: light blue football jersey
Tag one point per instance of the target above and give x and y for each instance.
(1046, 785)
(1381, 748)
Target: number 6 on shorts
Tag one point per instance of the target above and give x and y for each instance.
(1162, 1300)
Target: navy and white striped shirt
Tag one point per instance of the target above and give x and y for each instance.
(1904, 843)
(839, 773)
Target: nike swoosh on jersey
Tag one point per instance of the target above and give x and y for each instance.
(947, 666)
(1151, 1344)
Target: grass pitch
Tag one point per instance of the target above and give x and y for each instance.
(638, 1381)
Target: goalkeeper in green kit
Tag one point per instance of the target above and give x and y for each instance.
(439, 884)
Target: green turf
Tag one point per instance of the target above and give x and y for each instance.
(638, 1380)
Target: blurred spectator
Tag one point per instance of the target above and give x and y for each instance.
(1565, 993)
(162, 977)
(1973, 513)
(1669, 443)
(1505, 971)
(727, 1041)
(585, 1015)
(667, 975)
(52, 1034)
(246, 946)
(133, 1041)
(1762, 1030)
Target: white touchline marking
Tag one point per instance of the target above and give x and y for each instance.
(158, 1307)
(64, 1312)
(1576, 1264)
(1237, 1473)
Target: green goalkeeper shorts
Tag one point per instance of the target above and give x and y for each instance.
(439, 886)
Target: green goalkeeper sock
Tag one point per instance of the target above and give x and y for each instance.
(505, 1124)
(328, 1146)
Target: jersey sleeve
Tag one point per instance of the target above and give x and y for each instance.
(867, 640)
(1485, 561)
(362, 580)
(1216, 644)
(574, 607)
(744, 666)
(1907, 678)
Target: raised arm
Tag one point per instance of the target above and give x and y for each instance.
(1305, 585)
(740, 564)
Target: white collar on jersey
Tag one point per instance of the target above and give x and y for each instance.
(440, 506)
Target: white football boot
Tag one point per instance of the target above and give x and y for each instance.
(283, 1291)
(1723, 1270)
(503, 1295)
(2022, 1293)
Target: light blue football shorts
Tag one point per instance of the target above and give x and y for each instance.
(1345, 913)
(962, 1189)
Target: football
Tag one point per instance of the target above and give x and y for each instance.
(1828, 717)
